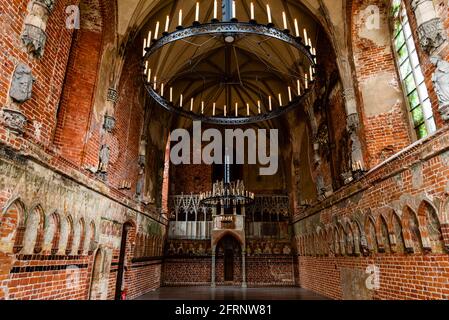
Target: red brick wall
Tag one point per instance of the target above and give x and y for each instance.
(260, 271)
(49, 70)
(270, 271)
(75, 110)
(144, 277)
(401, 277)
(416, 181)
(195, 178)
(41, 278)
(187, 271)
(386, 132)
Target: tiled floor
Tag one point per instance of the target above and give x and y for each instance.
(231, 293)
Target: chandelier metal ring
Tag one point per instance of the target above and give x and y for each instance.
(228, 28)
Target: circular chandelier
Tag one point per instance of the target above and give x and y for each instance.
(228, 94)
(227, 194)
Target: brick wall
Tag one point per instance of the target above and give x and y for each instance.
(394, 218)
(187, 271)
(401, 277)
(385, 120)
(260, 271)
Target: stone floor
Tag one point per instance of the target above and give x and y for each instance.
(231, 293)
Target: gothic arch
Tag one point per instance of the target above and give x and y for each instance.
(92, 238)
(430, 227)
(371, 234)
(384, 232)
(53, 233)
(34, 231)
(410, 231)
(12, 227)
(350, 240)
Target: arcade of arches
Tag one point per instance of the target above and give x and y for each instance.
(92, 208)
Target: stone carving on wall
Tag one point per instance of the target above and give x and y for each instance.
(20, 91)
(140, 182)
(14, 120)
(430, 27)
(33, 34)
(104, 159)
(440, 80)
(21, 84)
(431, 35)
(112, 95)
(109, 123)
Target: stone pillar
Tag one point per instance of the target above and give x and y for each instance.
(430, 27)
(244, 285)
(212, 283)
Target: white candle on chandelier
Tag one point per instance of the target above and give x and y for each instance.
(296, 28)
(258, 106)
(284, 19)
(290, 94)
(180, 18)
(270, 103)
(180, 100)
(306, 82)
(247, 109)
(280, 99)
(311, 73)
(191, 104)
(213, 109)
(171, 94)
(197, 12)
(234, 12)
(298, 83)
(310, 43)
(149, 38)
(144, 46)
(269, 14)
(155, 83)
(225, 110)
(167, 23)
(146, 67)
(156, 31)
(252, 11)
(305, 36)
(215, 9)
(149, 76)
(162, 89)
(236, 109)
(202, 107)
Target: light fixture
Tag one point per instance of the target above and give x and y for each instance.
(229, 33)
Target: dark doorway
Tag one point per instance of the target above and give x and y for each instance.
(121, 262)
(229, 265)
(228, 249)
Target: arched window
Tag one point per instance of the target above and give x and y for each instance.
(414, 87)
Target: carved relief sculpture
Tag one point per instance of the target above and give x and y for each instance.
(440, 80)
(35, 24)
(19, 92)
(430, 28)
(22, 84)
(104, 159)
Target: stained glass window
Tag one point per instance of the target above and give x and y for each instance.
(411, 74)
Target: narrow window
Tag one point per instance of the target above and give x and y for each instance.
(411, 75)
